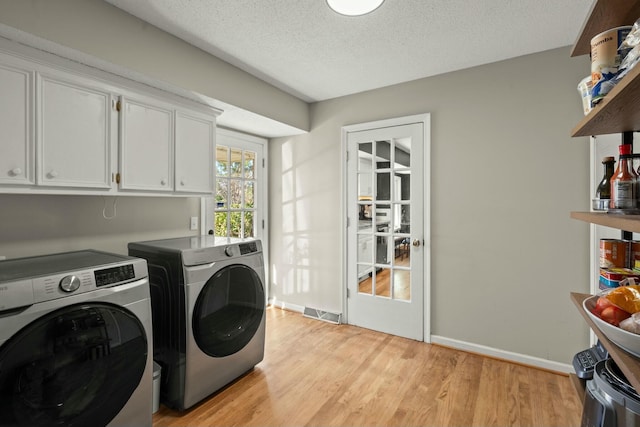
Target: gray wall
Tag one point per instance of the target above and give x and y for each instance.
(505, 174)
(41, 224)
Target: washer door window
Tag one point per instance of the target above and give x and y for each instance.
(228, 311)
(78, 365)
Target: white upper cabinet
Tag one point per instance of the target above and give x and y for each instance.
(195, 144)
(146, 145)
(16, 122)
(69, 129)
(73, 133)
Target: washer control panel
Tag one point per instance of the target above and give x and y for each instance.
(109, 276)
(248, 248)
(22, 292)
(69, 283)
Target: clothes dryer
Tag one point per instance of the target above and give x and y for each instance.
(208, 303)
(75, 341)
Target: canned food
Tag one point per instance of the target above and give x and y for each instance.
(634, 253)
(614, 253)
(611, 277)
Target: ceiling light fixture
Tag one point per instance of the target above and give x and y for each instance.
(354, 7)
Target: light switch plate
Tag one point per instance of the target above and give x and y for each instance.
(194, 223)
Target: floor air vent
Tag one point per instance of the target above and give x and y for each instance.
(326, 316)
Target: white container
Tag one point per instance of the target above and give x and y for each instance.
(605, 60)
(584, 88)
(157, 372)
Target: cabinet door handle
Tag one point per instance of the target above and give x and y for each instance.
(15, 172)
(163, 182)
(183, 182)
(52, 174)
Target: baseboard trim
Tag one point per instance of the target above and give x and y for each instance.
(285, 305)
(503, 354)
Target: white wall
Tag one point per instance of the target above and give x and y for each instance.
(505, 174)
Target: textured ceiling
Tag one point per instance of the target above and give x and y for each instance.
(304, 48)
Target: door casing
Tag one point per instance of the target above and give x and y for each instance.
(425, 119)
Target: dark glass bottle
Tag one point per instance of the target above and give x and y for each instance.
(604, 188)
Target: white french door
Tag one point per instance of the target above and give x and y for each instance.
(387, 230)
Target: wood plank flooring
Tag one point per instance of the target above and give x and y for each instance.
(319, 374)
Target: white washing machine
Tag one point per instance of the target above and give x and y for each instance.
(75, 341)
(208, 302)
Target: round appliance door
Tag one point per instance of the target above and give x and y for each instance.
(78, 365)
(228, 310)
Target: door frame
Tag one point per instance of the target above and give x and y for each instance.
(425, 120)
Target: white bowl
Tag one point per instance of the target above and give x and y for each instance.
(625, 340)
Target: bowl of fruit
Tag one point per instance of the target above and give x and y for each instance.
(617, 315)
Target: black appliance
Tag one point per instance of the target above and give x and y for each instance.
(585, 361)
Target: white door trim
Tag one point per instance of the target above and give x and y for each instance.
(425, 119)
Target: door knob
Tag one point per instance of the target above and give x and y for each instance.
(416, 242)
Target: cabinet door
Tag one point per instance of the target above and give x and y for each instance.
(146, 144)
(16, 122)
(195, 141)
(74, 133)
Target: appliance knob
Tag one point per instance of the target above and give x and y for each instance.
(228, 251)
(69, 283)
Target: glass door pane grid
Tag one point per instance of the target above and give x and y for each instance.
(386, 276)
(235, 193)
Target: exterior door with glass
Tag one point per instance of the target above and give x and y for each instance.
(238, 208)
(385, 233)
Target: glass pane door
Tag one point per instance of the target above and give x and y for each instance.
(235, 192)
(385, 253)
(384, 206)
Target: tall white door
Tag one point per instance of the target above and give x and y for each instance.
(386, 233)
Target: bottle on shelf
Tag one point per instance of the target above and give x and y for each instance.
(624, 181)
(603, 192)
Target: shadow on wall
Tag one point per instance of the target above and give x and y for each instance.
(305, 217)
(40, 224)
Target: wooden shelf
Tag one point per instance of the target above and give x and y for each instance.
(604, 15)
(618, 112)
(621, 222)
(628, 364)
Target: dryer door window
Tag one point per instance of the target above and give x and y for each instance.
(78, 365)
(228, 311)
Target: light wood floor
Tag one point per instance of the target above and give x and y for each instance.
(319, 374)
